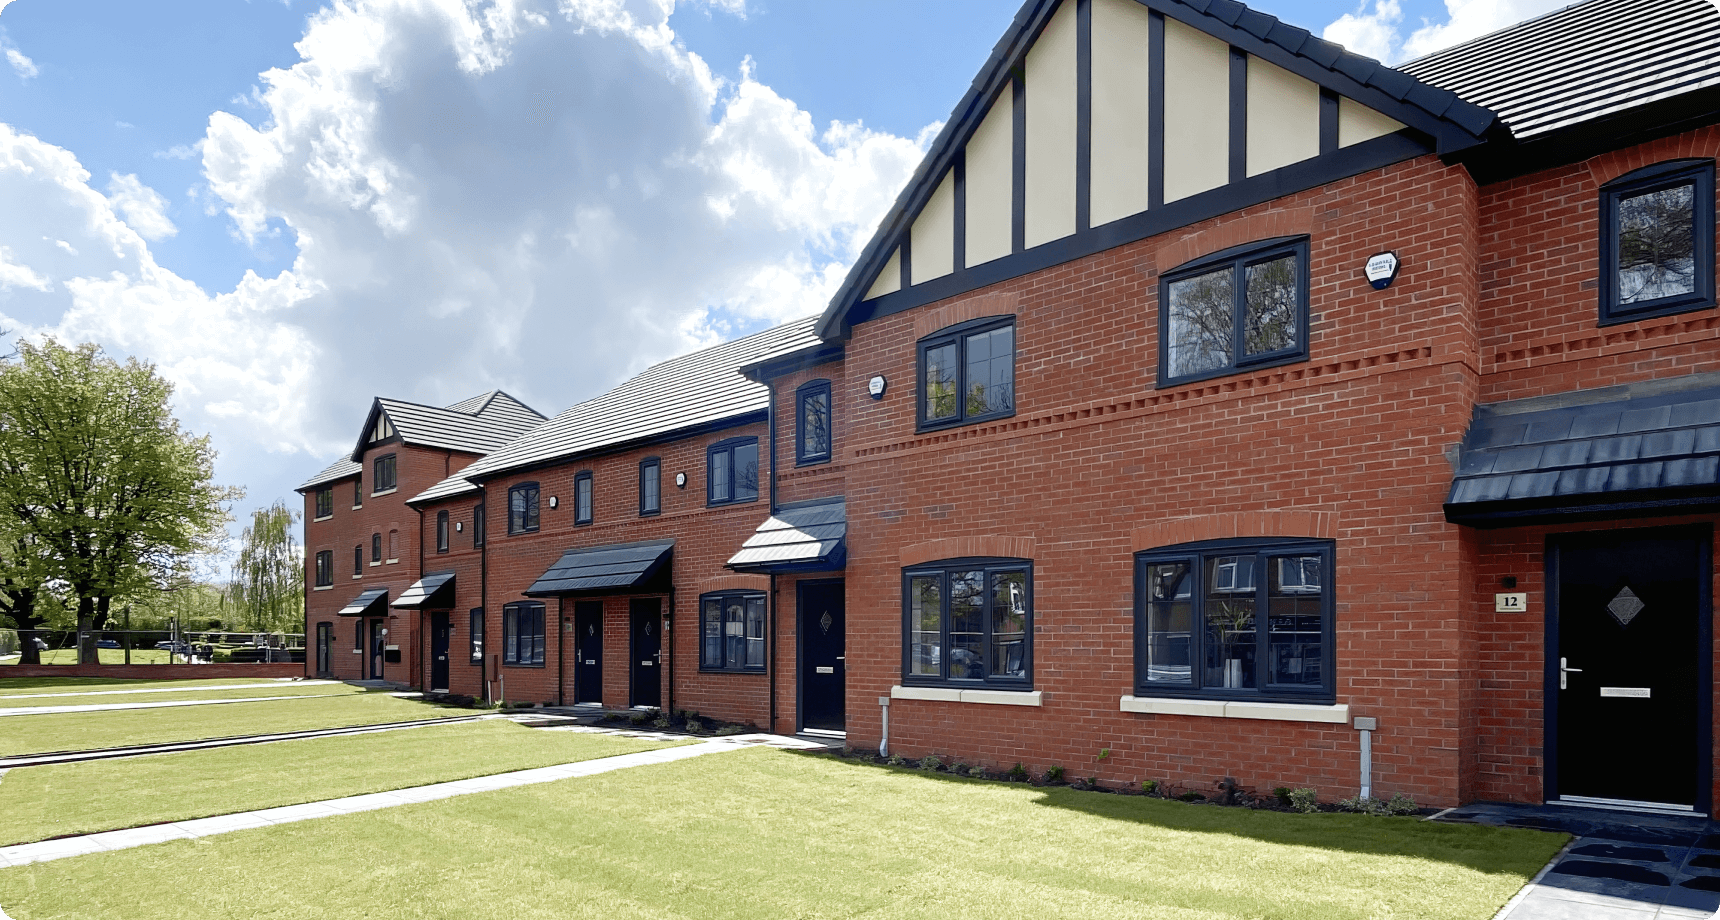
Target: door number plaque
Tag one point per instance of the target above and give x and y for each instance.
(1510, 603)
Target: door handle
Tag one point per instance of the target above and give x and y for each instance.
(841, 657)
(1565, 669)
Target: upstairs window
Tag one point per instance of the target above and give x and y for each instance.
(967, 373)
(478, 525)
(1657, 241)
(1234, 310)
(731, 469)
(650, 486)
(325, 502)
(325, 568)
(812, 422)
(441, 531)
(582, 497)
(1236, 619)
(523, 508)
(394, 546)
(358, 493)
(358, 560)
(968, 622)
(382, 475)
(376, 549)
(732, 625)
(523, 634)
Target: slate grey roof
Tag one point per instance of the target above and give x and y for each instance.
(809, 536)
(475, 426)
(371, 602)
(338, 470)
(1633, 447)
(682, 393)
(618, 566)
(1582, 62)
(432, 592)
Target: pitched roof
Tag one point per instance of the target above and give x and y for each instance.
(477, 426)
(810, 536)
(1583, 62)
(689, 392)
(611, 569)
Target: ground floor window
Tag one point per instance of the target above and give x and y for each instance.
(1235, 618)
(732, 625)
(522, 634)
(968, 621)
(477, 635)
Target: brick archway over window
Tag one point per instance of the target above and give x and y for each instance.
(964, 547)
(1266, 226)
(1230, 525)
(734, 583)
(996, 303)
(1614, 163)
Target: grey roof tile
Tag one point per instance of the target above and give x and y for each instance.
(1706, 412)
(619, 565)
(336, 471)
(475, 426)
(807, 536)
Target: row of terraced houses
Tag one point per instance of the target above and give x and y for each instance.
(1211, 397)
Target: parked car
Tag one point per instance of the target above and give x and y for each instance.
(107, 643)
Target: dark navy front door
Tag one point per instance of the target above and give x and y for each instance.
(439, 651)
(588, 652)
(823, 656)
(647, 646)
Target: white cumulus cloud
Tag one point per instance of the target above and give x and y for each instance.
(1377, 29)
(144, 208)
(21, 64)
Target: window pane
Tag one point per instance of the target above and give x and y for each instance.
(746, 472)
(1169, 609)
(537, 634)
(734, 632)
(516, 510)
(720, 478)
(1201, 326)
(648, 484)
(939, 390)
(510, 636)
(925, 610)
(531, 508)
(1229, 618)
(991, 371)
(1009, 624)
(815, 424)
(1294, 641)
(1656, 244)
(582, 499)
(755, 632)
(967, 625)
(1271, 321)
(713, 644)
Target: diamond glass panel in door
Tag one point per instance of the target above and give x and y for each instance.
(1202, 323)
(1270, 322)
(1656, 244)
(925, 618)
(1294, 639)
(746, 472)
(1169, 615)
(991, 371)
(1009, 624)
(713, 620)
(940, 382)
(755, 632)
(1229, 615)
(967, 625)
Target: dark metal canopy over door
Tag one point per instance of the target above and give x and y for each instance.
(439, 630)
(823, 656)
(1628, 668)
(588, 652)
(647, 651)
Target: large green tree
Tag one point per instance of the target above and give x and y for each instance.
(268, 578)
(94, 468)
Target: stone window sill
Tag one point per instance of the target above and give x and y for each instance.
(1338, 714)
(323, 588)
(956, 695)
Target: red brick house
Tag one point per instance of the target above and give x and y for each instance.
(1212, 403)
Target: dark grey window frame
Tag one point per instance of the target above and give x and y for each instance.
(728, 446)
(958, 335)
(380, 483)
(324, 503)
(1238, 258)
(475, 635)
(651, 467)
(943, 568)
(584, 507)
(1195, 554)
(376, 548)
(358, 491)
(441, 531)
(519, 523)
(811, 388)
(1669, 174)
(358, 559)
(477, 525)
(722, 597)
(535, 616)
(324, 568)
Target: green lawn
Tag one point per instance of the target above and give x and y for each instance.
(58, 656)
(766, 834)
(181, 695)
(103, 795)
(83, 731)
(10, 686)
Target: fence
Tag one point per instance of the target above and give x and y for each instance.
(155, 647)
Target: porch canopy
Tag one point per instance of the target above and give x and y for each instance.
(804, 537)
(1641, 448)
(371, 602)
(618, 568)
(432, 592)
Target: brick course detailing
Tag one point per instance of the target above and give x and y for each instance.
(995, 303)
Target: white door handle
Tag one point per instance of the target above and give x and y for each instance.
(1566, 669)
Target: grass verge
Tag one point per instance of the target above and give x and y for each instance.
(104, 795)
(84, 731)
(10, 686)
(765, 834)
(188, 694)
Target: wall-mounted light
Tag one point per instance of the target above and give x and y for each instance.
(552, 502)
(680, 480)
(459, 526)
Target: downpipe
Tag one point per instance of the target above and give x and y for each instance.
(1367, 726)
(884, 742)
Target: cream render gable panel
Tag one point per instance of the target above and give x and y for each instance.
(1357, 123)
(1121, 133)
(931, 254)
(889, 279)
(1283, 117)
(1051, 127)
(1197, 107)
(990, 182)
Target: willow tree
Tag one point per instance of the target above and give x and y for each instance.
(268, 579)
(95, 468)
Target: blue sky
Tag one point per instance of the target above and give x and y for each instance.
(423, 203)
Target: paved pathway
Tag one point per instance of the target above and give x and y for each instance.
(165, 704)
(26, 853)
(251, 686)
